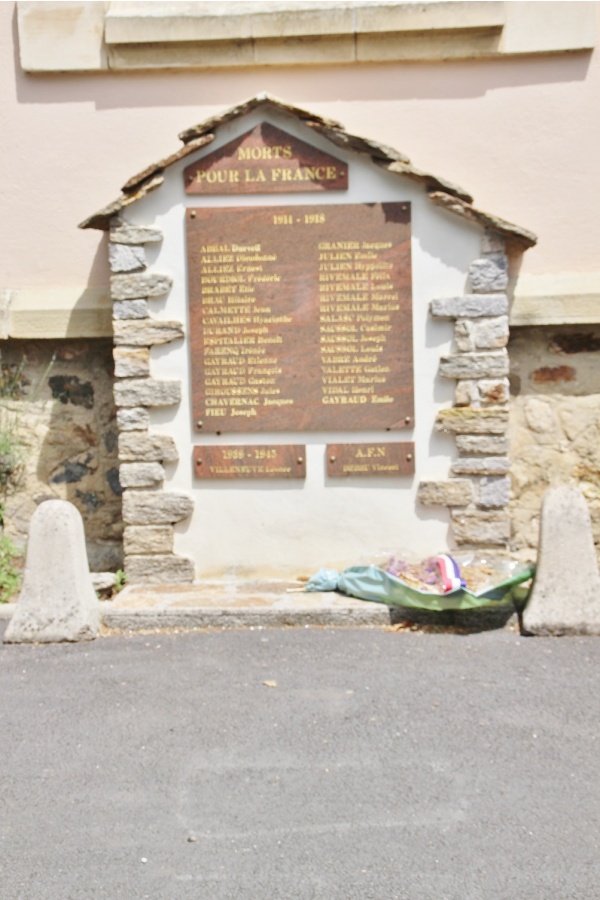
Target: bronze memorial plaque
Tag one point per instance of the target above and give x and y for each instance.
(250, 461)
(301, 317)
(265, 160)
(370, 459)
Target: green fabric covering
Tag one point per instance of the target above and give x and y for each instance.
(373, 583)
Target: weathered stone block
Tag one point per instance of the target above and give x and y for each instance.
(130, 309)
(489, 274)
(565, 598)
(103, 581)
(481, 334)
(454, 492)
(459, 420)
(147, 392)
(57, 600)
(494, 493)
(131, 362)
(466, 393)
(133, 419)
(147, 539)
(492, 243)
(475, 365)
(470, 306)
(124, 258)
(540, 415)
(139, 446)
(141, 475)
(463, 335)
(166, 569)
(146, 284)
(489, 334)
(155, 507)
(493, 390)
(145, 332)
(480, 527)
(478, 465)
(135, 234)
(488, 444)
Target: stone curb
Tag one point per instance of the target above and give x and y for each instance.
(373, 616)
(243, 617)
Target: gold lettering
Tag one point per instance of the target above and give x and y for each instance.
(343, 400)
(218, 176)
(370, 452)
(253, 176)
(277, 151)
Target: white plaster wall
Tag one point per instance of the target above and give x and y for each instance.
(293, 527)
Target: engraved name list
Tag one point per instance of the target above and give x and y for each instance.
(301, 317)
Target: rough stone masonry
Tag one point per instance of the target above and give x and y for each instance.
(478, 495)
(149, 512)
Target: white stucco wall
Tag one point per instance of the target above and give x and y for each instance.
(293, 527)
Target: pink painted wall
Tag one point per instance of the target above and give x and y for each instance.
(521, 135)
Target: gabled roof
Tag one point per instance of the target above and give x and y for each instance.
(441, 192)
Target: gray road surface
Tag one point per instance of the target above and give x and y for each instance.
(381, 765)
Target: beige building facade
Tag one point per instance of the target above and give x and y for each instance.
(498, 97)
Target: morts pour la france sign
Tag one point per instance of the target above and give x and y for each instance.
(266, 160)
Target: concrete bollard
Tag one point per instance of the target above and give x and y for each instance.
(57, 601)
(565, 598)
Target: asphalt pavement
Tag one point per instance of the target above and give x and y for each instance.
(288, 764)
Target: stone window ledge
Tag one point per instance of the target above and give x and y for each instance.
(117, 36)
(568, 299)
(572, 298)
(53, 313)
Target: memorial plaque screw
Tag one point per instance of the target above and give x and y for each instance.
(198, 462)
(332, 458)
(407, 420)
(300, 460)
(408, 457)
(199, 423)
(193, 214)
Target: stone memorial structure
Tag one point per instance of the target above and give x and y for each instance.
(302, 319)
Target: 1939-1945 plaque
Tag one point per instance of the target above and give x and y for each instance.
(250, 461)
(301, 317)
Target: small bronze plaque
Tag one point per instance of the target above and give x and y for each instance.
(301, 318)
(384, 459)
(250, 461)
(266, 160)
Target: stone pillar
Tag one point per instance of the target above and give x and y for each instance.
(565, 598)
(478, 490)
(57, 601)
(149, 512)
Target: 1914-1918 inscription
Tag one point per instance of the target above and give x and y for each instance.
(384, 459)
(301, 317)
(265, 160)
(250, 461)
